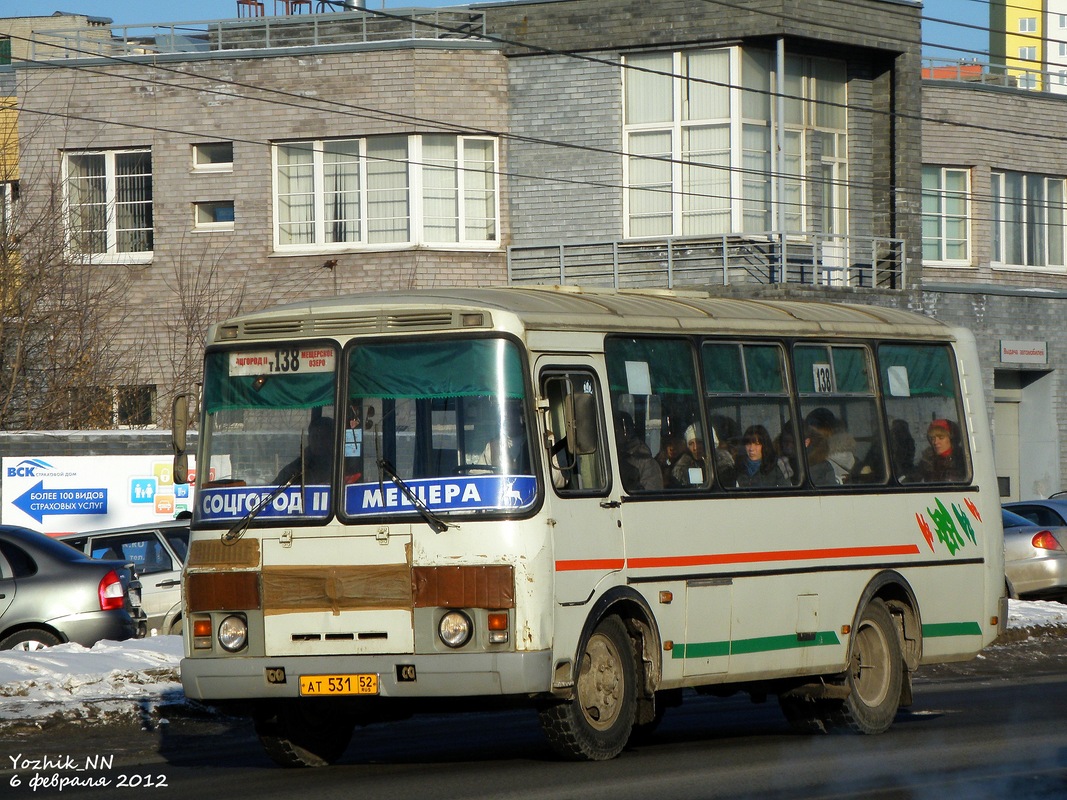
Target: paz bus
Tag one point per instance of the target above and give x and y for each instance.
(588, 501)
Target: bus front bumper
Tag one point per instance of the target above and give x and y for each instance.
(400, 676)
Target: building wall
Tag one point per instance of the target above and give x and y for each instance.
(64, 35)
(983, 129)
(577, 100)
(349, 92)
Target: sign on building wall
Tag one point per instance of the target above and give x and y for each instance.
(1018, 351)
(58, 494)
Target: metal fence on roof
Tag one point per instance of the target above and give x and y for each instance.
(266, 32)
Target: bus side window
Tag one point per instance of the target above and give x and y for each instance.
(573, 469)
(922, 401)
(656, 414)
(842, 421)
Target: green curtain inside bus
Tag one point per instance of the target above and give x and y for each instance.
(468, 368)
(669, 362)
(224, 392)
(849, 363)
(918, 370)
(762, 374)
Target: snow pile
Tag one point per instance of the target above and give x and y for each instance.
(131, 680)
(109, 681)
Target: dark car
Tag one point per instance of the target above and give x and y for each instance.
(51, 594)
(157, 551)
(1035, 561)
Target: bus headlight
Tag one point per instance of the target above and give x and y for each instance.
(455, 629)
(233, 633)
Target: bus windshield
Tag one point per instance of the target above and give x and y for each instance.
(269, 420)
(448, 418)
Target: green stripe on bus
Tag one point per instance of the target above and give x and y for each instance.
(763, 644)
(952, 629)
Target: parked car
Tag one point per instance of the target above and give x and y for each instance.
(1035, 559)
(1050, 512)
(51, 594)
(157, 551)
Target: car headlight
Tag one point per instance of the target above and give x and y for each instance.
(233, 633)
(455, 629)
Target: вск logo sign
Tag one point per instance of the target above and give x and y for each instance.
(25, 468)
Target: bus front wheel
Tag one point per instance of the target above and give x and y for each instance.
(596, 723)
(299, 735)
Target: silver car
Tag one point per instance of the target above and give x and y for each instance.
(1035, 559)
(51, 594)
(157, 551)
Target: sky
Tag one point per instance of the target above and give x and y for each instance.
(123, 680)
(939, 38)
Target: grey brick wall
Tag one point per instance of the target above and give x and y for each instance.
(254, 102)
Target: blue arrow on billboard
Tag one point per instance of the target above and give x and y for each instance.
(39, 502)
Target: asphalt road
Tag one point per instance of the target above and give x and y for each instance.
(989, 728)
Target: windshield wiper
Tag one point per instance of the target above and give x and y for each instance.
(239, 528)
(431, 519)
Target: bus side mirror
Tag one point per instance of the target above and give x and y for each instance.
(179, 426)
(581, 413)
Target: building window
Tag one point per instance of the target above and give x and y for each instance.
(1027, 24)
(213, 157)
(5, 50)
(946, 215)
(702, 139)
(1028, 53)
(433, 189)
(1028, 220)
(133, 406)
(213, 215)
(109, 202)
(9, 195)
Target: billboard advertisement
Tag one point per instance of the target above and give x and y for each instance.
(60, 494)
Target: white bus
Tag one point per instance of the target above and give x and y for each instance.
(589, 501)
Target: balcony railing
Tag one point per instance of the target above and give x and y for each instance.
(812, 259)
(299, 30)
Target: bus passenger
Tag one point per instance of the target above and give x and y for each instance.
(672, 450)
(638, 468)
(902, 450)
(841, 447)
(943, 459)
(315, 463)
(688, 470)
(820, 471)
(757, 464)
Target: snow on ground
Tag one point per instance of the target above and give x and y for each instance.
(131, 680)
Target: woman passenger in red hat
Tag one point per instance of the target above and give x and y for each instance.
(943, 460)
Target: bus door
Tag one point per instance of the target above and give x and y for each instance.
(586, 527)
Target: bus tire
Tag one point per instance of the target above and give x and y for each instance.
(875, 673)
(596, 723)
(296, 735)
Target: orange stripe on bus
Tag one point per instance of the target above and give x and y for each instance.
(591, 563)
(737, 558)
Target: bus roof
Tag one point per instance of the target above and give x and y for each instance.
(574, 308)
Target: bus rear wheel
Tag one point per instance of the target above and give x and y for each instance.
(874, 680)
(303, 735)
(596, 723)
